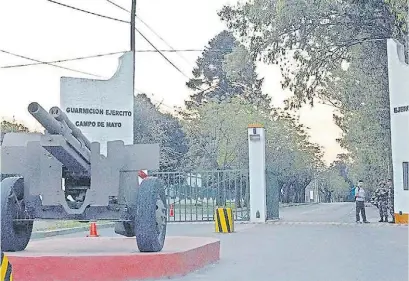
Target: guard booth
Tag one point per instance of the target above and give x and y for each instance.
(311, 192)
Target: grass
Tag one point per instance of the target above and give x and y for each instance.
(179, 208)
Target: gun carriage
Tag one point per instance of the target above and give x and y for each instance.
(62, 175)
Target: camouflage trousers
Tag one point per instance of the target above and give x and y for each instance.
(383, 209)
(391, 208)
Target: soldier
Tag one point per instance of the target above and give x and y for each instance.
(391, 200)
(380, 200)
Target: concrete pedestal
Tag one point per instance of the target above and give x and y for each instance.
(110, 259)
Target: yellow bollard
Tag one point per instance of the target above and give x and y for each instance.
(224, 220)
(6, 269)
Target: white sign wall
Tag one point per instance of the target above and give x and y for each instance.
(102, 109)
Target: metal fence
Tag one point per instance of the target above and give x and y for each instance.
(195, 196)
(273, 195)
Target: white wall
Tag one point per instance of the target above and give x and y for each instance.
(114, 94)
(399, 103)
(257, 174)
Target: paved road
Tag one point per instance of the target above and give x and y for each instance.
(315, 250)
(327, 212)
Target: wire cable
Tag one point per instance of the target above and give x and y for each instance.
(120, 7)
(96, 56)
(138, 17)
(62, 60)
(47, 63)
(151, 29)
(88, 12)
(115, 19)
(123, 21)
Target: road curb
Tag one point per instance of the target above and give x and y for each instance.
(64, 231)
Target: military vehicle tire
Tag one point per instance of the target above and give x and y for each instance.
(15, 235)
(151, 215)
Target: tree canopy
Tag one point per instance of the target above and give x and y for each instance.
(153, 126)
(216, 120)
(224, 75)
(11, 126)
(364, 116)
(311, 40)
(217, 134)
(334, 51)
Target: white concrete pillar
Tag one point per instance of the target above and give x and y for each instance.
(399, 110)
(257, 173)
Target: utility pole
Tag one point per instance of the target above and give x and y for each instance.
(133, 12)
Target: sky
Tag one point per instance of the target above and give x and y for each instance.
(42, 30)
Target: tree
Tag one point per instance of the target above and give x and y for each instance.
(332, 186)
(311, 40)
(364, 114)
(222, 69)
(11, 126)
(399, 8)
(217, 134)
(153, 126)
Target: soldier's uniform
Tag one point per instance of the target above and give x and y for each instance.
(380, 200)
(391, 199)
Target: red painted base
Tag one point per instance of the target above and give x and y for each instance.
(110, 259)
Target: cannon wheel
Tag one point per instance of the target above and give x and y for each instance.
(15, 235)
(151, 215)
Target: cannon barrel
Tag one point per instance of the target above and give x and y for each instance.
(58, 114)
(73, 150)
(45, 119)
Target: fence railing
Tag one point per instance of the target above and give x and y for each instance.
(194, 196)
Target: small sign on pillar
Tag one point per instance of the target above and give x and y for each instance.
(257, 173)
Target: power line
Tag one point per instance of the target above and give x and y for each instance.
(138, 17)
(177, 68)
(42, 62)
(140, 33)
(120, 7)
(100, 55)
(62, 60)
(87, 73)
(123, 21)
(88, 12)
(151, 29)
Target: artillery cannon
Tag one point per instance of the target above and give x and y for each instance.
(62, 175)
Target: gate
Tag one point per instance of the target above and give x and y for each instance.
(273, 195)
(194, 196)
